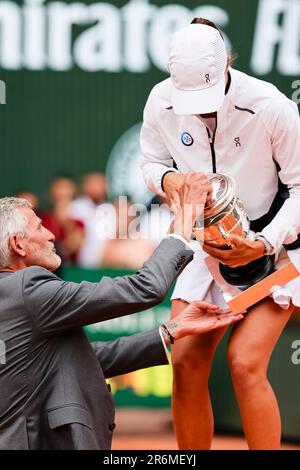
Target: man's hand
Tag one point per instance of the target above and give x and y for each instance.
(199, 317)
(188, 194)
(242, 251)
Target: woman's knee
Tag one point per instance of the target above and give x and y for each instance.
(190, 363)
(246, 369)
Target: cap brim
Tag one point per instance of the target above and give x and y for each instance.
(198, 101)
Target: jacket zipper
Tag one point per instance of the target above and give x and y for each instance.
(212, 147)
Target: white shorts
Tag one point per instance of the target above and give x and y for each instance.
(197, 283)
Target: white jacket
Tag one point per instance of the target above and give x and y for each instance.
(256, 126)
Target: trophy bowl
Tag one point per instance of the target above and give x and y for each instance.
(223, 215)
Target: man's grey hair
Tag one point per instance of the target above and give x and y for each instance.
(12, 222)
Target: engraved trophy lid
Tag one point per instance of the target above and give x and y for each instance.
(223, 192)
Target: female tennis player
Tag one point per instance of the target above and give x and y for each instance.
(208, 117)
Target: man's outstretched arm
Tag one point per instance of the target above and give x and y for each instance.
(147, 349)
(130, 353)
(55, 305)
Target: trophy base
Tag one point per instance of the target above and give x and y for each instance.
(238, 300)
(246, 276)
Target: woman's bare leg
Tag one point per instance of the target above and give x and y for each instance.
(249, 350)
(191, 405)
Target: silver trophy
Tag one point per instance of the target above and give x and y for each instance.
(224, 214)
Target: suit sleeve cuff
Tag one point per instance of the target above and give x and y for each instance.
(164, 344)
(181, 238)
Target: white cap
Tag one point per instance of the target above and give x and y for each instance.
(197, 65)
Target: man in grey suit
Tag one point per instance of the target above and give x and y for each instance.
(53, 389)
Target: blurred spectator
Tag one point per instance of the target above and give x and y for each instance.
(93, 193)
(127, 249)
(108, 242)
(154, 223)
(68, 231)
(97, 216)
(30, 197)
(94, 187)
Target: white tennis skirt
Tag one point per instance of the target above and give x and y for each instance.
(197, 283)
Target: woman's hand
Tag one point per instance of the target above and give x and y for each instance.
(242, 251)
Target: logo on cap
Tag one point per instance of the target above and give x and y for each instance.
(237, 142)
(187, 139)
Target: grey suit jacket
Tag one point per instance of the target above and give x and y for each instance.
(53, 389)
